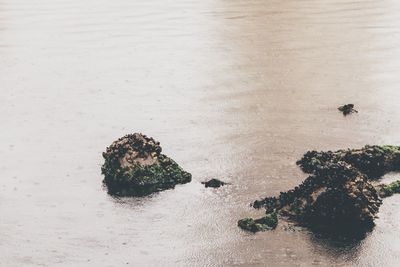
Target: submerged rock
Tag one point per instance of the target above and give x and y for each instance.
(268, 222)
(214, 183)
(347, 109)
(338, 196)
(134, 166)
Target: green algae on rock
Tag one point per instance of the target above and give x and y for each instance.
(268, 222)
(387, 190)
(338, 196)
(373, 161)
(134, 166)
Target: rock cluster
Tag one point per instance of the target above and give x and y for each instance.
(335, 197)
(134, 166)
(338, 196)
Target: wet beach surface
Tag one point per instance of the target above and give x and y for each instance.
(237, 90)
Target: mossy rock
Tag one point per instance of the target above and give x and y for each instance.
(338, 197)
(387, 190)
(134, 166)
(268, 222)
(372, 161)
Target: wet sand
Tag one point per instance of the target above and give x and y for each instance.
(237, 90)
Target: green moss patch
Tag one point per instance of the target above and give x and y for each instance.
(268, 222)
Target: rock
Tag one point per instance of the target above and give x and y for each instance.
(373, 161)
(335, 198)
(387, 190)
(268, 222)
(347, 109)
(338, 197)
(214, 183)
(134, 166)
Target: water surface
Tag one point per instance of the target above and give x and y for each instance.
(237, 90)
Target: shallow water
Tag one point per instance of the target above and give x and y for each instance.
(237, 90)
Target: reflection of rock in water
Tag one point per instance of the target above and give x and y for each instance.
(338, 196)
(134, 166)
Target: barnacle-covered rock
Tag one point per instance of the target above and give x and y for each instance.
(134, 166)
(373, 161)
(338, 196)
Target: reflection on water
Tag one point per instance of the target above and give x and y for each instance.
(232, 89)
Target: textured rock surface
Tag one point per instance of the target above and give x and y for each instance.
(373, 161)
(387, 190)
(268, 222)
(134, 166)
(338, 195)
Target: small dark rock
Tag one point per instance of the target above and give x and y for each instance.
(347, 109)
(214, 183)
